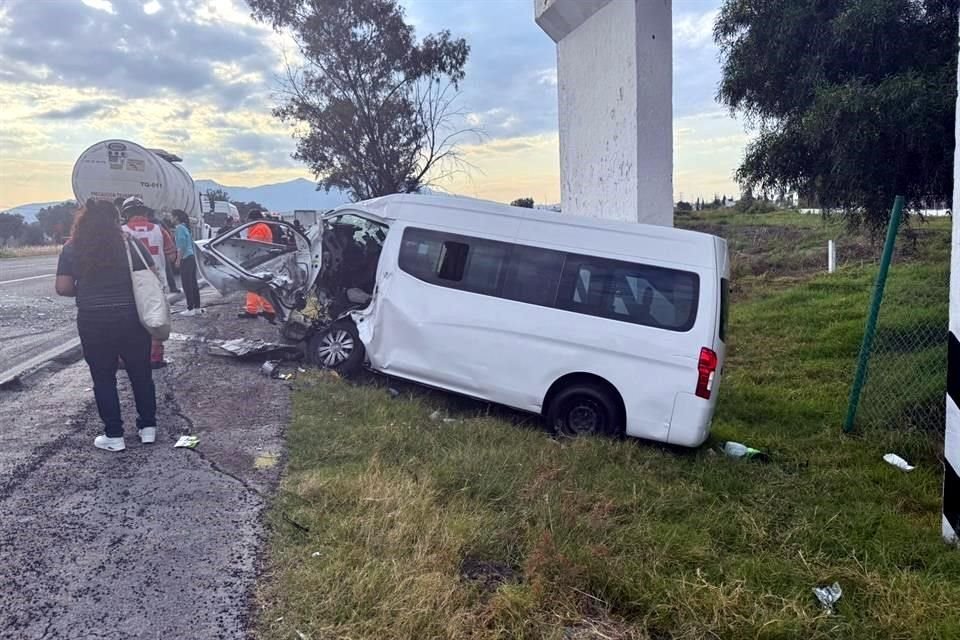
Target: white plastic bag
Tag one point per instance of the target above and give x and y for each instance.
(152, 306)
(898, 462)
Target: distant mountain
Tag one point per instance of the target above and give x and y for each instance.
(284, 196)
(30, 211)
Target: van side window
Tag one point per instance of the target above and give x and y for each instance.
(653, 296)
(420, 253)
(453, 261)
(625, 291)
(533, 275)
(472, 264)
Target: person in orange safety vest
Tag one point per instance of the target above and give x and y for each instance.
(258, 305)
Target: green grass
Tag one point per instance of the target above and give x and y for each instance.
(486, 527)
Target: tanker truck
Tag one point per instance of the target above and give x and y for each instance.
(113, 169)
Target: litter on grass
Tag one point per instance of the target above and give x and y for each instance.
(898, 462)
(737, 450)
(187, 442)
(828, 596)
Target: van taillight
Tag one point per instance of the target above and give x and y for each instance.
(706, 369)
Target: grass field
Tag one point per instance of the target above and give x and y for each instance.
(487, 527)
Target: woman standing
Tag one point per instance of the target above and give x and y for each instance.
(188, 263)
(93, 267)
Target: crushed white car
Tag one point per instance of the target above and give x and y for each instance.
(603, 327)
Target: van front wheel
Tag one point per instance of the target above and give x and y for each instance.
(583, 410)
(337, 347)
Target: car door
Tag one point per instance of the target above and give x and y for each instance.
(282, 270)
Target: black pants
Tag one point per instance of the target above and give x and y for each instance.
(188, 278)
(109, 334)
(171, 276)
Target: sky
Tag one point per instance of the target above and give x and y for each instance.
(199, 78)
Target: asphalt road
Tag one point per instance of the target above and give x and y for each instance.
(153, 542)
(33, 318)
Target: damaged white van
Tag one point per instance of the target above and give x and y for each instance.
(602, 327)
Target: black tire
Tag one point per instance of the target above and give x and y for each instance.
(584, 410)
(338, 348)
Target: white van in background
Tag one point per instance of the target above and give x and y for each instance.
(602, 327)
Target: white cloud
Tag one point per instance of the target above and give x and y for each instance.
(152, 7)
(547, 77)
(694, 30)
(101, 5)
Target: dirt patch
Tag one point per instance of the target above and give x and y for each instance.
(489, 574)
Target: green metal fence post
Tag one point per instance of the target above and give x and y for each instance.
(874, 312)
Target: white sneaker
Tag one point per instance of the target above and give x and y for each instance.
(109, 444)
(199, 311)
(148, 435)
(188, 312)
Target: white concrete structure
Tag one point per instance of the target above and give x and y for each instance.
(615, 85)
(951, 444)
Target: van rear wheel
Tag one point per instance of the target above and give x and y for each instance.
(583, 410)
(337, 347)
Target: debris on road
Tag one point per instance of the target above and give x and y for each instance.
(187, 442)
(898, 462)
(246, 347)
(828, 596)
(270, 368)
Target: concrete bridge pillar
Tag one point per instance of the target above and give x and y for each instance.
(615, 86)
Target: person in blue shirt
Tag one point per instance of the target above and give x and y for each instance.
(188, 263)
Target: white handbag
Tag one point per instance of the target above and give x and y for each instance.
(152, 306)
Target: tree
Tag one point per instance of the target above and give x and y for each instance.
(374, 108)
(683, 206)
(853, 101)
(11, 226)
(217, 195)
(32, 235)
(723, 200)
(243, 208)
(56, 221)
(527, 203)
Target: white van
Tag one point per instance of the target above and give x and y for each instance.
(602, 327)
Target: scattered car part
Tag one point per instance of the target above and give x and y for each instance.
(245, 347)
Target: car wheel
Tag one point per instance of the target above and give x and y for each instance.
(582, 410)
(337, 347)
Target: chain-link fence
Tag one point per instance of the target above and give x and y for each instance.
(906, 373)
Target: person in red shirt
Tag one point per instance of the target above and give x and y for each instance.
(155, 240)
(258, 305)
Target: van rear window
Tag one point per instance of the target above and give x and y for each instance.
(724, 307)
